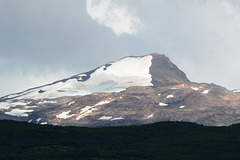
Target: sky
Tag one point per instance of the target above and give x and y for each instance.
(42, 41)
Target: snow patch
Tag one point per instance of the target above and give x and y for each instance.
(19, 103)
(182, 107)
(64, 115)
(81, 116)
(89, 109)
(43, 123)
(205, 91)
(162, 104)
(70, 103)
(85, 112)
(30, 107)
(7, 105)
(44, 102)
(82, 75)
(150, 116)
(102, 103)
(169, 96)
(18, 112)
(195, 88)
(159, 94)
(85, 109)
(236, 91)
(117, 118)
(105, 118)
(170, 64)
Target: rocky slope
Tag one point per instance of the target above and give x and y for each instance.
(133, 90)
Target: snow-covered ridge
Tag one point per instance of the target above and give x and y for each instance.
(112, 77)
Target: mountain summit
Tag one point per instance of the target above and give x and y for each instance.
(133, 90)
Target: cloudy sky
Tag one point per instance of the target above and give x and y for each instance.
(45, 40)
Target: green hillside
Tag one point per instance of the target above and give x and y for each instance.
(165, 141)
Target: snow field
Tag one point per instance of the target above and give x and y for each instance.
(129, 71)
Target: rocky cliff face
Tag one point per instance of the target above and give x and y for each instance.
(164, 72)
(133, 90)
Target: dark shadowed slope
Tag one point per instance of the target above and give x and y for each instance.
(164, 72)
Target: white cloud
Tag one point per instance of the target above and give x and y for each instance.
(119, 18)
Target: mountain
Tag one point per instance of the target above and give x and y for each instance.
(131, 91)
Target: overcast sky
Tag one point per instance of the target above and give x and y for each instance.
(42, 41)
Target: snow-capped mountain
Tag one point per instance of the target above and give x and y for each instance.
(133, 90)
